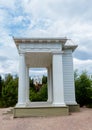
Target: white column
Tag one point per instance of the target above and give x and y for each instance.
(27, 85)
(50, 84)
(58, 85)
(22, 81)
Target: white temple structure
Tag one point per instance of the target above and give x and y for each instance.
(55, 54)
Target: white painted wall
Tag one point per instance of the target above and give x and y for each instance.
(68, 73)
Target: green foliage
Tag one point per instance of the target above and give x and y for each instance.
(9, 91)
(31, 84)
(41, 95)
(44, 80)
(83, 89)
(0, 86)
(75, 74)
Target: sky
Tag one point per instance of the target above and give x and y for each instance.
(45, 18)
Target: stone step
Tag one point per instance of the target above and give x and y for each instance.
(9, 111)
(40, 111)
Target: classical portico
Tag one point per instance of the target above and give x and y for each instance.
(55, 55)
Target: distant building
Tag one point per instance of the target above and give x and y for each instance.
(37, 80)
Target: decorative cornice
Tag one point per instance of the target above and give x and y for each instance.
(63, 41)
(40, 40)
(72, 47)
(48, 47)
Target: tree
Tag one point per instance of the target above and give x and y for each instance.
(44, 79)
(31, 84)
(0, 86)
(10, 91)
(75, 74)
(83, 89)
(41, 95)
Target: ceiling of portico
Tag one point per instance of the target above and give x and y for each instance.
(38, 59)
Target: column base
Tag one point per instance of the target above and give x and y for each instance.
(59, 104)
(48, 101)
(21, 105)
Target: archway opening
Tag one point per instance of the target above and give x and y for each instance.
(38, 84)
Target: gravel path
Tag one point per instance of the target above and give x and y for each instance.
(76, 121)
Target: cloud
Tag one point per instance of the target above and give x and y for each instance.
(45, 18)
(82, 55)
(58, 9)
(3, 58)
(37, 72)
(82, 65)
(8, 66)
(9, 4)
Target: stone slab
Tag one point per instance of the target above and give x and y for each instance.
(74, 108)
(46, 111)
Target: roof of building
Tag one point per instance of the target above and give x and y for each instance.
(67, 43)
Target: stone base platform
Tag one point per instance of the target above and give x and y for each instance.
(44, 109)
(40, 109)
